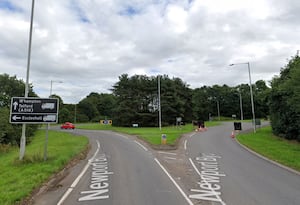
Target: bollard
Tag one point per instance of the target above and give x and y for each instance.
(163, 139)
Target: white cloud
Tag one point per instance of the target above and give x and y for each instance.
(89, 44)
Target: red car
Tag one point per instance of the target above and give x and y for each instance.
(67, 125)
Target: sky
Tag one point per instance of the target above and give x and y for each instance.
(83, 46)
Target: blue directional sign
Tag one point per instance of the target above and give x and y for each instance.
(34, 110)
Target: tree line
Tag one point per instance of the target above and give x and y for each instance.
(135, 100)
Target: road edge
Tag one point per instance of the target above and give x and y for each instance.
(267, 159)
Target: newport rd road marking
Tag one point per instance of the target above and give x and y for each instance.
(210, 177)
(99, 186)
(67, 193)
(141, 145)
(174, 182)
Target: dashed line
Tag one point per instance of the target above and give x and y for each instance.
(125, 137)
(141, 145)
(67, 193)
(174, 182)
(170, 153)
(170, 158)
(185, 142)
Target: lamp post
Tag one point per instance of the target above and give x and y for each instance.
(53, 81)
(48, 125)
(159, 107)
(218, 108)
(251, 93)
(23, 136)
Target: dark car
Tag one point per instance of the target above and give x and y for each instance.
(67, 125)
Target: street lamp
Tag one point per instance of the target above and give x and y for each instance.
(53, 81)
(48, 125)
(23, 136)
(159, 104)
(251, 93)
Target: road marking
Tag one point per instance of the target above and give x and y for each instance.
(171, 153)
(170, 158)
(141, 145)
(192, 135)
(99, 186)
(174, 182)
(185, 142)
(123, 136)
(67, 193)
(208, 186)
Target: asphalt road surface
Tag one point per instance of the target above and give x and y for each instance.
(234, 176)
(119, 171)
(208, 168)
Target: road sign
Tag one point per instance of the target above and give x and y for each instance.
(34, 110)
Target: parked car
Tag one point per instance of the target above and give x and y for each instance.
(67, 125)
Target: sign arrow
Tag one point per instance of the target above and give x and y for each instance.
(15, 118)
(15, 104)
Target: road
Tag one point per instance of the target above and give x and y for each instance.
(208, 168)
(232, 175)
(120, 171)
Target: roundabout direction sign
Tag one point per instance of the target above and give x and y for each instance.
(32, 110)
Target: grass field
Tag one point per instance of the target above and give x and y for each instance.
(19, 179)
(151, 135)
(272, 147)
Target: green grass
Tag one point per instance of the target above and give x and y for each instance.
(151, 135)
(272, 147)
(19, 179)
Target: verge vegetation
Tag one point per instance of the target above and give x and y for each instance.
(276, 148)
(20, 179)
(152, 135)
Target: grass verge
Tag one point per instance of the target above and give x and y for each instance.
(151, 135)
(275, 148)
(19, 179)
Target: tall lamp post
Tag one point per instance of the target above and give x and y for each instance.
(251, 93)
(48, 125)
(23, 136)
(53, 81)
(159, 104)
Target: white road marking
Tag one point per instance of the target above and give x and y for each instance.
(192, 135)
(67, 193)
(174, 182)
(185, 142)
(208, 185)
(170, 158)
(141, 145)
(171, 153)
(123, 136)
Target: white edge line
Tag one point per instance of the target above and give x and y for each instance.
(65, 196)
(212, 190)
(67, 193)
(141, 145)
(185, 142)
(174, 182)
(167, 153)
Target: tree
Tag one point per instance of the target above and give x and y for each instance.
(12, 87)
(284, 101)
(137, 100)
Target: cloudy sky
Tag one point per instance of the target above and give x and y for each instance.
(88, 44)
